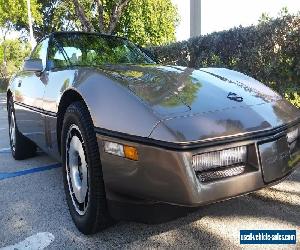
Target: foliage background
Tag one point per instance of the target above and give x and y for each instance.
(13, 16)
(269, 52)
(149, 22)
(16, 51)
(145, 22)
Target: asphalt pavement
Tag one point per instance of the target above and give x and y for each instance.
(34, 213)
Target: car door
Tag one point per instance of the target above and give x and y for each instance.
(60, 78)
(29, 92)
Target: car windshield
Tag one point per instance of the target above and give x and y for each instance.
(94, 50)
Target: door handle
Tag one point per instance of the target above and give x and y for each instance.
(19, 83)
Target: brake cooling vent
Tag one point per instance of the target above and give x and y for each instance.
(220, 173)
(220, 164)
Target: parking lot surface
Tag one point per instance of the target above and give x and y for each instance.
(33, 212)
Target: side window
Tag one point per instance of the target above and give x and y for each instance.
(63, 54)
(40, 51)
(56, 58)
(71, 56)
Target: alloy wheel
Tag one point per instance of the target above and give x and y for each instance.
(12, 130)
(77, 170)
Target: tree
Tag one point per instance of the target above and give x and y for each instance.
(13, 13)
(149, 22)
(13, 52)
(146, 22)
(143, 21)
(49, 16)
(113, 9)
(56, 16)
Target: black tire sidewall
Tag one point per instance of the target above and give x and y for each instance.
(24, 148)
(96, 212)
(10, 111)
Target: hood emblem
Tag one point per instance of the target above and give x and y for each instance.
(235, 97)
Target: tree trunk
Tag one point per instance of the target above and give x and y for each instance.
(99, 5)
(86, 25)
(115, 15)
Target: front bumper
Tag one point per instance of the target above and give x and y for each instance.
(167, 175)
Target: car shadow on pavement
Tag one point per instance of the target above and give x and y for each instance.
(258, 205)
(181, 233)
(283, 192)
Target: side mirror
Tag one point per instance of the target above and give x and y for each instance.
(33, 65)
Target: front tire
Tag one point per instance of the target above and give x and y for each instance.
(82, 171)
(21, 147)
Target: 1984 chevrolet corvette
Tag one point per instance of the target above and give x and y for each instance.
(129, 130)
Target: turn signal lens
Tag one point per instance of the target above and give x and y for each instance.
(131, 153)
(121, 150)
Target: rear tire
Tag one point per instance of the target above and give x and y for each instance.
(82, 171)
(21, 147)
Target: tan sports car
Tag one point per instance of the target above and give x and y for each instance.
(128, 130)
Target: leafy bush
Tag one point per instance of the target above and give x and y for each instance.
(269, 52)
(293, 95)
(13, 52)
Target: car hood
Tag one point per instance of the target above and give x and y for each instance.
(227, 123)
(205, 104)
(172, 91)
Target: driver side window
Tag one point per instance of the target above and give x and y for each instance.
(70, 56)
(40, 52)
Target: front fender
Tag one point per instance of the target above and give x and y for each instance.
(114, 107)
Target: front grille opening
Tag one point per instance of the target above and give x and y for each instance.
(221, 173)
(221, 164)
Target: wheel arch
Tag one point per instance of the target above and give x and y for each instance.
(69, 96)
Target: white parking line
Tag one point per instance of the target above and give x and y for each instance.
(36, 242)
(4, 150)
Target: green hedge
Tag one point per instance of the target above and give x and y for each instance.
(269, 52)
